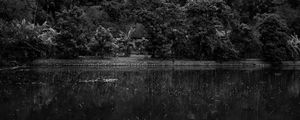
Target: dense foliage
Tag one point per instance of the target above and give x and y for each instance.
(182, 29)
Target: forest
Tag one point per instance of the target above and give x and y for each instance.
(219, 30)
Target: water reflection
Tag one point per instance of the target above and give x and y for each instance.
(149, 94)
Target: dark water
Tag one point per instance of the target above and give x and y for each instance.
(179, 93)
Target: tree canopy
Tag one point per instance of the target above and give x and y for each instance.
(193, 29)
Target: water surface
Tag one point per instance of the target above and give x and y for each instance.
(149, 93)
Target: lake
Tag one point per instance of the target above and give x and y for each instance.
(150, 93)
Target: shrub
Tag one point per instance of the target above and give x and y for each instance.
(66, 46)
(47, 35)
(294, 46)
(181, 46)
(246, 41)
(125, 43)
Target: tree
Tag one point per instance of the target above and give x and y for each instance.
(161, 23)
(204, 20)
(274, 36)
(248, 9)
(75, 33)
(290, 11)
(102, 43)
(17, 9)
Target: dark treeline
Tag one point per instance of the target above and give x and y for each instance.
(181, 29)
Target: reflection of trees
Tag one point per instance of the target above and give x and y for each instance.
(85, 101)
(154, 94)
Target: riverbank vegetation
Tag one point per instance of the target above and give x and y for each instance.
(219, 30)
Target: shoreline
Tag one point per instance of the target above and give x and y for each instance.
(105, 62)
